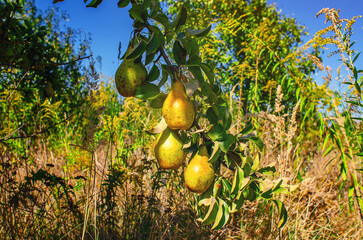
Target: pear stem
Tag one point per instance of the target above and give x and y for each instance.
(162, 52)
(165, 56)
(204, 137)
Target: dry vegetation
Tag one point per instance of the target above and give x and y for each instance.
(118, 197)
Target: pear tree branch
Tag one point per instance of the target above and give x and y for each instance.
(164, 55)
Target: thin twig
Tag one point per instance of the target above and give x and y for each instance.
(8, 136)
(48, 64)
(37, 133)
(165, 56)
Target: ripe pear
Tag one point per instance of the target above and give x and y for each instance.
(199, 174)
(168, 150)
(178, 110)
(129, 76)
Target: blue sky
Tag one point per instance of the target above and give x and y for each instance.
(109, 25)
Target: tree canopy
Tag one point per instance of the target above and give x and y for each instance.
(250, 47)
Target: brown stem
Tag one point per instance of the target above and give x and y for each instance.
(165, 56)
(34, 134)
(205, 138)
(47, 64)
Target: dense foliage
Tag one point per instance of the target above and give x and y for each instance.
(249, 47)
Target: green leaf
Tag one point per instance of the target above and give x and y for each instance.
(217, 132)
(154, 43)
(267, 194)
(217, 186)
(179, 53)
(329, 150)
(222, 215)
(360, 203)
(199, 33)
(283, 213)
(281, 190)
(247, 129)
(197, 73)
(163, 19)
(94, 3)
(212, 116)
(267, 170)
(228, 161)
(167, 69)
(208, 72)
(225, 116)
(258, 142)
(226, 144)
(226, 188)
(277, 186)
(256, 163)
(215, 154)
(164, 78)
(146, 91)
(247, 167)
(194, 48)
(356, 84)
(325, 142)
(355, 72)
(123, 3)
(180, 19)
(237, 180)
(211, 214)
(137, 12)
(153, 74)
(194, 61)
(238, 202)
(137, 51)
(205, 87)
(356, 103)
(356, 57)
(157, 39)
(138, 25)
(158, 101)
(252, 192)
(149, 58)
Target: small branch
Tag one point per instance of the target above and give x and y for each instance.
(11, 93)
(166, 58)
(34, 134)
(205, 138)
(157, 59)
(46, 64)
(73, 61)
(11, 134)
(81, 147)
(164, 55)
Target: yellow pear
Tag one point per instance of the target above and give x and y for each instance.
(199, 174)
(129, 76)
(168, 150)
(178, 110)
